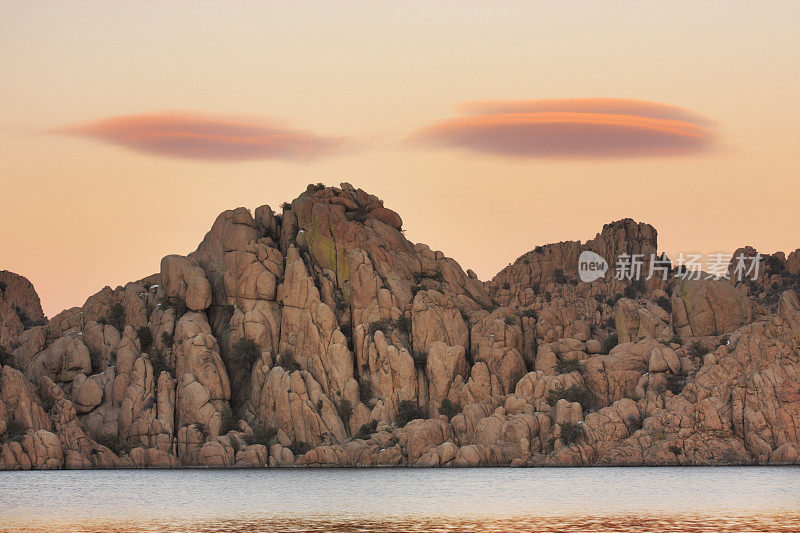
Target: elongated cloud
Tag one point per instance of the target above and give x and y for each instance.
(572, 128)
(196, 136)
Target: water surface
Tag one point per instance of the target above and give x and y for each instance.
(486, 499)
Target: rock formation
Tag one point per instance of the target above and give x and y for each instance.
(321, 336)
(20, 308)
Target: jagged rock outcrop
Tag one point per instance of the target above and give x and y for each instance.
(557, 264)
(20, 308)
(203, 389)
(635, 322)
(310, 334)
(294, 404)
(318, 335)
(446, 369)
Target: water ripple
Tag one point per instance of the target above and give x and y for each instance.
(784, 522)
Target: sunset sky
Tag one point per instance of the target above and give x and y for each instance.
(491, 127)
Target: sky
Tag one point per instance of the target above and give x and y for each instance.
(490, 127)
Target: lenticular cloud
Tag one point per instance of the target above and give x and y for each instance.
(195, 136)
(572, 128)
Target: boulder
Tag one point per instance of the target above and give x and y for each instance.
(664, 359)
(421, 436)
(186, 281)
(709, 307)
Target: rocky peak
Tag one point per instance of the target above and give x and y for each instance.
(624, 236)
(557, 264)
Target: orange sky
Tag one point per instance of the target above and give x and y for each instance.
(332, 92)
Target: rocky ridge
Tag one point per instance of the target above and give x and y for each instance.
(321, 336)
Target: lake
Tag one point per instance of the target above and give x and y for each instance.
(453, 500)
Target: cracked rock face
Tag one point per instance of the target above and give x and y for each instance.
(318, 335)
(709, 307)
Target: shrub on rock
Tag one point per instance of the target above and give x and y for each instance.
(246, 350)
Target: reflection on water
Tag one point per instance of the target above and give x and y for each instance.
(621, 524)
(393, 500)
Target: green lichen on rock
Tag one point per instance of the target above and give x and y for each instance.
(326, 253)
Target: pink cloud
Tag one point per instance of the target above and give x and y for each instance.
(196, 136)
(572, 128)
